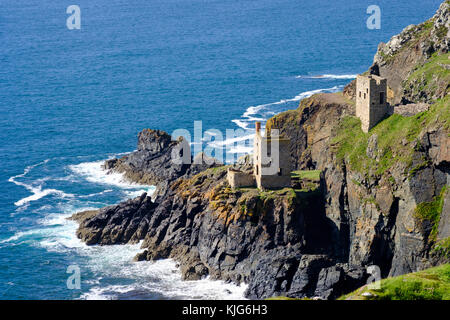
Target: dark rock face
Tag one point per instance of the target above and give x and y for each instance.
(153, 141)
(374, 69)
(267, 240)
(304, 244)
(117, 224)
(159, 160)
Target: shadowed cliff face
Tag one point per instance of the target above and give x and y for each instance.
(373, 186)
(278, 242)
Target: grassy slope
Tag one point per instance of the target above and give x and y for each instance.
(395, 134)
(430, 284)
(313, 175)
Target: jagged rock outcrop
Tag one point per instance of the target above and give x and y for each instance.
(414, 46)
(410, 61)
(159, 160)
(126, 222)
(276, 241)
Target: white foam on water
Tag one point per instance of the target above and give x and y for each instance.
(241, 149)
(211, 133)
(93, 172)
(239, 145)
(15, 237)
(241, 124)
(25, 172)
(56, 232)
(37, 191)
(137, 193)
(95, 194)
(116, 261)
(164, 278)
(232, 141)
(130, 280)
(263, 111)
(329, 76)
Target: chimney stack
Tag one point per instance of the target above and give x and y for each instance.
(257, 126)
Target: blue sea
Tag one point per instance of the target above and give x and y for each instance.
(69, 99)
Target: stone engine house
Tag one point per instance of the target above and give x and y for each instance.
(268, 171)
(371, 100)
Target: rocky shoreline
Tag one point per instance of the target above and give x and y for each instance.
(367, 208)
(270, 240)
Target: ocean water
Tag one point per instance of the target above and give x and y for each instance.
(69, 99)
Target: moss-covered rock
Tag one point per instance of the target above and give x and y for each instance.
(429, 284)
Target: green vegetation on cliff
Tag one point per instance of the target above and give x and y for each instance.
(431, 78)
(442, 248)
(313, 175)
(429, 284)
(431, 212)
(434, 67)
(395, 137)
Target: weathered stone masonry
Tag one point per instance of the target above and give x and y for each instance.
(371, 100)
(271, 164)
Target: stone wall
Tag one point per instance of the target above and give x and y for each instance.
(238, 179)
(271, 168)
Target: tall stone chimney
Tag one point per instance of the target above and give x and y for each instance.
(258, 126)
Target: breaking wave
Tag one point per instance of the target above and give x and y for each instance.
(263, 112)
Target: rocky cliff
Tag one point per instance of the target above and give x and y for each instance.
(416, 62)
(382, 198)
(376, 185)
(155, 160)
(279, 242)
